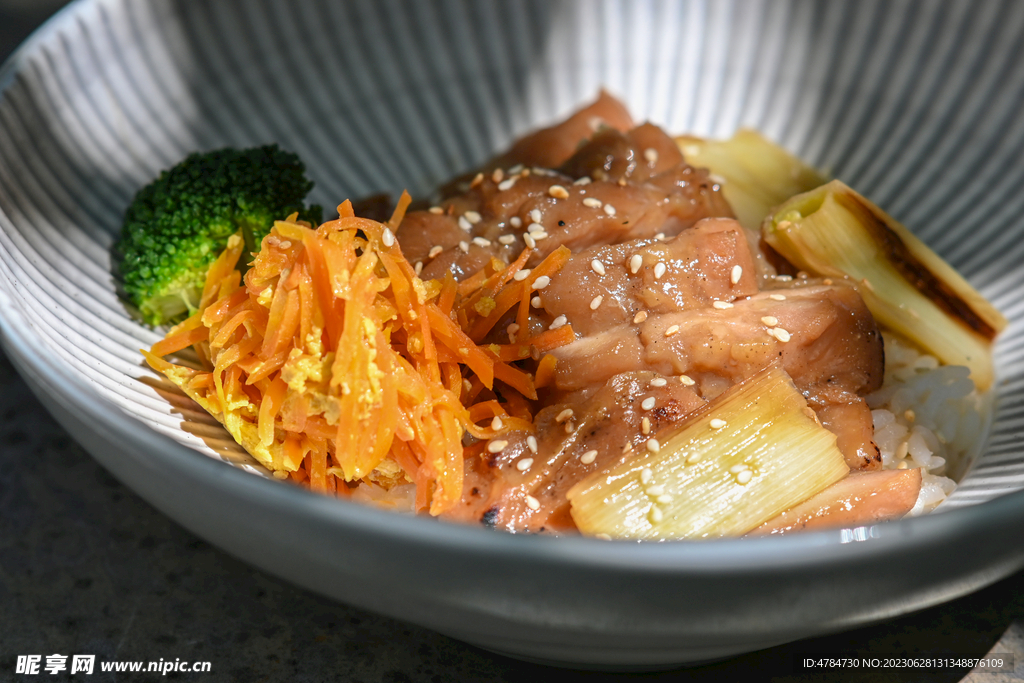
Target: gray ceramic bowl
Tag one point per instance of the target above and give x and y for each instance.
(916, 104)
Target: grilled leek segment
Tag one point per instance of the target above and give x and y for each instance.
(833, 231)
(756, 174)
(754, 452)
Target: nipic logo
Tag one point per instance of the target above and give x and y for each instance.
(55, 663)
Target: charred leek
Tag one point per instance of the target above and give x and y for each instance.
(834, 231)
(756, 174)
(754, 452)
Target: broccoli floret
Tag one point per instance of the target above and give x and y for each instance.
(177, 225)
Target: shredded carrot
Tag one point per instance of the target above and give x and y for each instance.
(545, 371)
(511, 295)
(331, 356)
(541, 343)
(177, 342)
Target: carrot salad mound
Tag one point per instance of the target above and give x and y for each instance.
(334, 364)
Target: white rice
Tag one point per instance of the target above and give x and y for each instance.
(929, 417)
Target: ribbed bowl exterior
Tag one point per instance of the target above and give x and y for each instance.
(916, 104)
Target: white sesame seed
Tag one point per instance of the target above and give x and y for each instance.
(909, 415)
(541, 282)
(560, 321)
(784, 278)
(609, 209)
(672, 329)
(477, 179)
(507, 239)
(536, 302)
(531, 443)
(472, 216)
(532, 503)
(735, 274)
(646, 475)
(717, 423)
(695, 457)
(645, 426)
(656, 514)
(777, 297)
(585, 180)
(635, 262)
(564, 415)
(770, 320)
(735, 469)
(651, 155)
(655, 490)
(597, 267)
(507, 183)
(516, 170)
(781, 334)
(653, 446)
(467, 386)
(592, 202)
(659, 382)
(465, 224)
(648, 403)
(418, 268)
(512, 328)
(659, 270)
(539, 235)
(434, 251)
(436, 210)
(628, 448)
(534, 227)
(524, 464)
(388, 238)
(660, 237)
(588, 457)
(722, 305)
(497, 175)
(686, 380)
(640, 317)
(521, 275)
(558, 192)
(595, 303)
(496, 446)
(464, 246)
(530, 242)
(664, 499)
(535, 216)
(496, 423)
(569, 427)
(515, 222)
(481, 242)
(744, 477)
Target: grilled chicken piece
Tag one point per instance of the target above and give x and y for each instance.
(860, 498)
(577, 216)
(640, 188)
(635, 155)
(551, 147)
(608, 425)
(697, 268)
(832, 350)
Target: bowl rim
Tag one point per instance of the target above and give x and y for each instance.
(726, 555)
